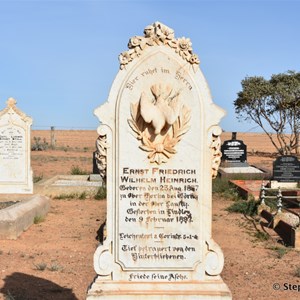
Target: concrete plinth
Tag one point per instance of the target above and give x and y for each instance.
(209, 290)
(17, 218)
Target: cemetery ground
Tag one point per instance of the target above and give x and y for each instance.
(53, 259)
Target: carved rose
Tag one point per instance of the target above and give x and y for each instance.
(184, 48)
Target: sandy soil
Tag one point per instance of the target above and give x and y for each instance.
(54, 259)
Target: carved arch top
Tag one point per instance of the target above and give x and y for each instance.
(155, 35)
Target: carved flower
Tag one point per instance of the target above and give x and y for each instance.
(158, 152)
(184, 44)
(164, 33)
(184, 48)
(194, 59)
(136, 41)
(149, 31)
(124, 59)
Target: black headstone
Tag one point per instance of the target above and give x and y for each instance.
(234, 151)
(286, 169)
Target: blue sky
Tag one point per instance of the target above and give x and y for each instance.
(58, 59)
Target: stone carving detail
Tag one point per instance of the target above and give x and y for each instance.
(159, 123)
(103, 260)
(101, 155)
(214, 260)
(11, 104)
(215, 147)
(158, 34)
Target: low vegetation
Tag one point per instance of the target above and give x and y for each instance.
(224, 188)
(40, 266)
(37, 178)
(248, 208)
(38, 219)
(78, 171)
(101, 193)
(39, 144)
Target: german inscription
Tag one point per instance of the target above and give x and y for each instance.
(160, 208)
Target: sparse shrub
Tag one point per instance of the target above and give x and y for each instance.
(248, 208)
(39, 145)
(66, 196)
(82, 196)
(101, 193)
(224, 188)
(38, 219)
(261, 236)
(37, 178)
(55, 267)
(77, 171)
(40, 266)
(280, 251)
(297, 271)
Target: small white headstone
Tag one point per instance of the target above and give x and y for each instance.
(15, 168)
(160, 135)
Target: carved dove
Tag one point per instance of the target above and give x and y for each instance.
(163, 109)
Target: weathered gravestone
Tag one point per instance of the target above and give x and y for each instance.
(160, 136)
(15, 168)
(286, 169)
(234, 152)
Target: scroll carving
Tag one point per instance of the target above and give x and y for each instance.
(214, 261)
(158, 34)
(159, 122)
(101, 155)
(215, 147)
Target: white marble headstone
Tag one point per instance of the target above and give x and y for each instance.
(15, 168)
(160, 135)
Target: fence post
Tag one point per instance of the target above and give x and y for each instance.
(53, 137)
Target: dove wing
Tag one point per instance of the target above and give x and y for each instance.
(147, 108)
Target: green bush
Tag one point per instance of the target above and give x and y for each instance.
(224, 188)
(248, 208)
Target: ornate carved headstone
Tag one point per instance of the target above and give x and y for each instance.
(160, 148)
(15, 168)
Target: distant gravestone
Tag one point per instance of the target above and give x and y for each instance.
(15, 168)
(234, 152)
(286, 169)
(159, 136)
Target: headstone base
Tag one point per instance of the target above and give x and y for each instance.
(214, 289)
(283, 185)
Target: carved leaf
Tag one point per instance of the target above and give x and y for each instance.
(133, 126)
(133, 111)
(146, 148)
